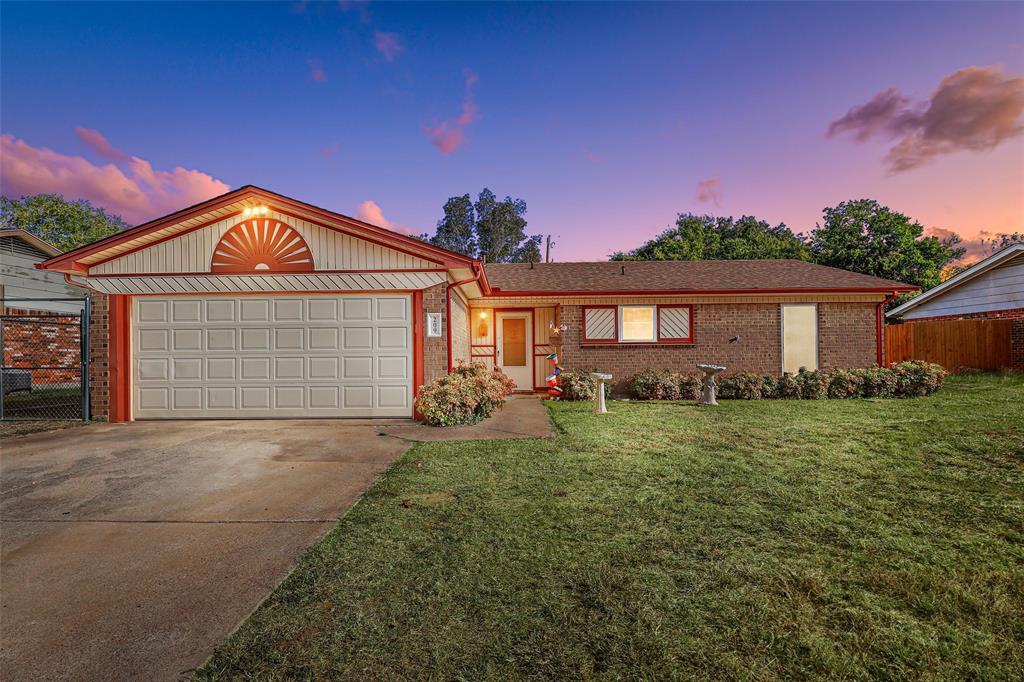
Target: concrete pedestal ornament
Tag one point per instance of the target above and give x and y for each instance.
(600, 378)
(710, 387)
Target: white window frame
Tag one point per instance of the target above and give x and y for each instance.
(654, 323)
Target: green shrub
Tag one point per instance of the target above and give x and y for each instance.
(843, 383)
(689, 386)
(655, 385)
(577, 384)
(906, 380)
(877, 382)
(747, 386)
(470, 393)
(788, 388)
(813, 384)
(916, 378)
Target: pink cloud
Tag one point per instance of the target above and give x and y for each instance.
(131, 189)
(450, 134)
(316, 70)
(389, 45)
(973, 109)
(330, 150)
(983, 245)
(709, 192)
(370, 212)
(95, 141)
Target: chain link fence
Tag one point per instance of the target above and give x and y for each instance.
(44, 371)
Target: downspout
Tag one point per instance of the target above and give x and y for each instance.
(478, 269)
(878, 324)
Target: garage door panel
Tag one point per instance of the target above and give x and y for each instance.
(221, 339)
(356, 309)
(187, 311)
(269, 356)
(288, 310)
(220, 310)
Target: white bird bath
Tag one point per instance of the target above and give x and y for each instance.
(707, 396)
(600, 378)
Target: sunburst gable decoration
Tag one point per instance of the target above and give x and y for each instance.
(262, 244)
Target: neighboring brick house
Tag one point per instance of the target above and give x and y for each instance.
(991, 289)
(41, 316)
(253, 304)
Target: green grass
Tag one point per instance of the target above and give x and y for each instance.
(760, 540)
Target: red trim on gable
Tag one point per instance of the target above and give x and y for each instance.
(498, 293)
(352, 226)
(369, 271)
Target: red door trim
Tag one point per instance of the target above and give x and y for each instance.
(119, 377)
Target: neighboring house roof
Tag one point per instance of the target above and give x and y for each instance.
(27, 237)
(980, 268)
(707, 276)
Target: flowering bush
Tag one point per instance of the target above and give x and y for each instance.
(577, 384)
(844, 384)
(689, 386)
(918, 378)
(743, 386)
(654, 385)
(661, 385)
(813, 384)
(470, 393)
(905, 380)
(877, 382)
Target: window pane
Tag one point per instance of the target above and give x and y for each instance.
(513, 342)
(637, 323)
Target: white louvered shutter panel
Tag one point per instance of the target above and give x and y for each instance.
(675, 323)
(599, 323)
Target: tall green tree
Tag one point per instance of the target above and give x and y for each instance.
(706, 237)
(487, 228)
(863, 236)
(65, 224)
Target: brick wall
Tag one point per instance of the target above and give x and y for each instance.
(1016, 331)
(846, 337)
(435, 350)
(99, 378)
(42, 339)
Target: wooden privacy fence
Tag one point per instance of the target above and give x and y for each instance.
(978, 344)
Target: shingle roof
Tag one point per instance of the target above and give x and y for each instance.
(684, 276)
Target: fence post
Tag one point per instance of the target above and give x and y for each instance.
(83, 336)
(3, 363)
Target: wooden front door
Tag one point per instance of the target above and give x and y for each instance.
(515, 347)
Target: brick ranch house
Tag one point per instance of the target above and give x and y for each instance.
(991, 289)
(253, 304)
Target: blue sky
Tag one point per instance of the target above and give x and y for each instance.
(606, 118)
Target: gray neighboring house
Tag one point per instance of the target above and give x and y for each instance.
(992, 289)
(20, 251)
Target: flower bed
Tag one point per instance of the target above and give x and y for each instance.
(905, 380)
(470, 393)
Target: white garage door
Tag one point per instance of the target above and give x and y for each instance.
(272, 356)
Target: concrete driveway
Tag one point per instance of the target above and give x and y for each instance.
(131, 551)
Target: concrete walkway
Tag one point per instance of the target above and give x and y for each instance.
(129, 551)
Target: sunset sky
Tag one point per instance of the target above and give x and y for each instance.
(608, 119)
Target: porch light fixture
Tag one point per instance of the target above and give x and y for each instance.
(250, 211)
(481, 329)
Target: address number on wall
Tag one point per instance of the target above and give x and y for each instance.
(433, 324)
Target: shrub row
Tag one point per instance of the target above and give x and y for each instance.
(470, 393)
(904, 380)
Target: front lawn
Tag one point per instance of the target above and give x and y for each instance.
(779, 539)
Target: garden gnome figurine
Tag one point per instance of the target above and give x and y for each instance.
(600, 378)
(707, 396)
